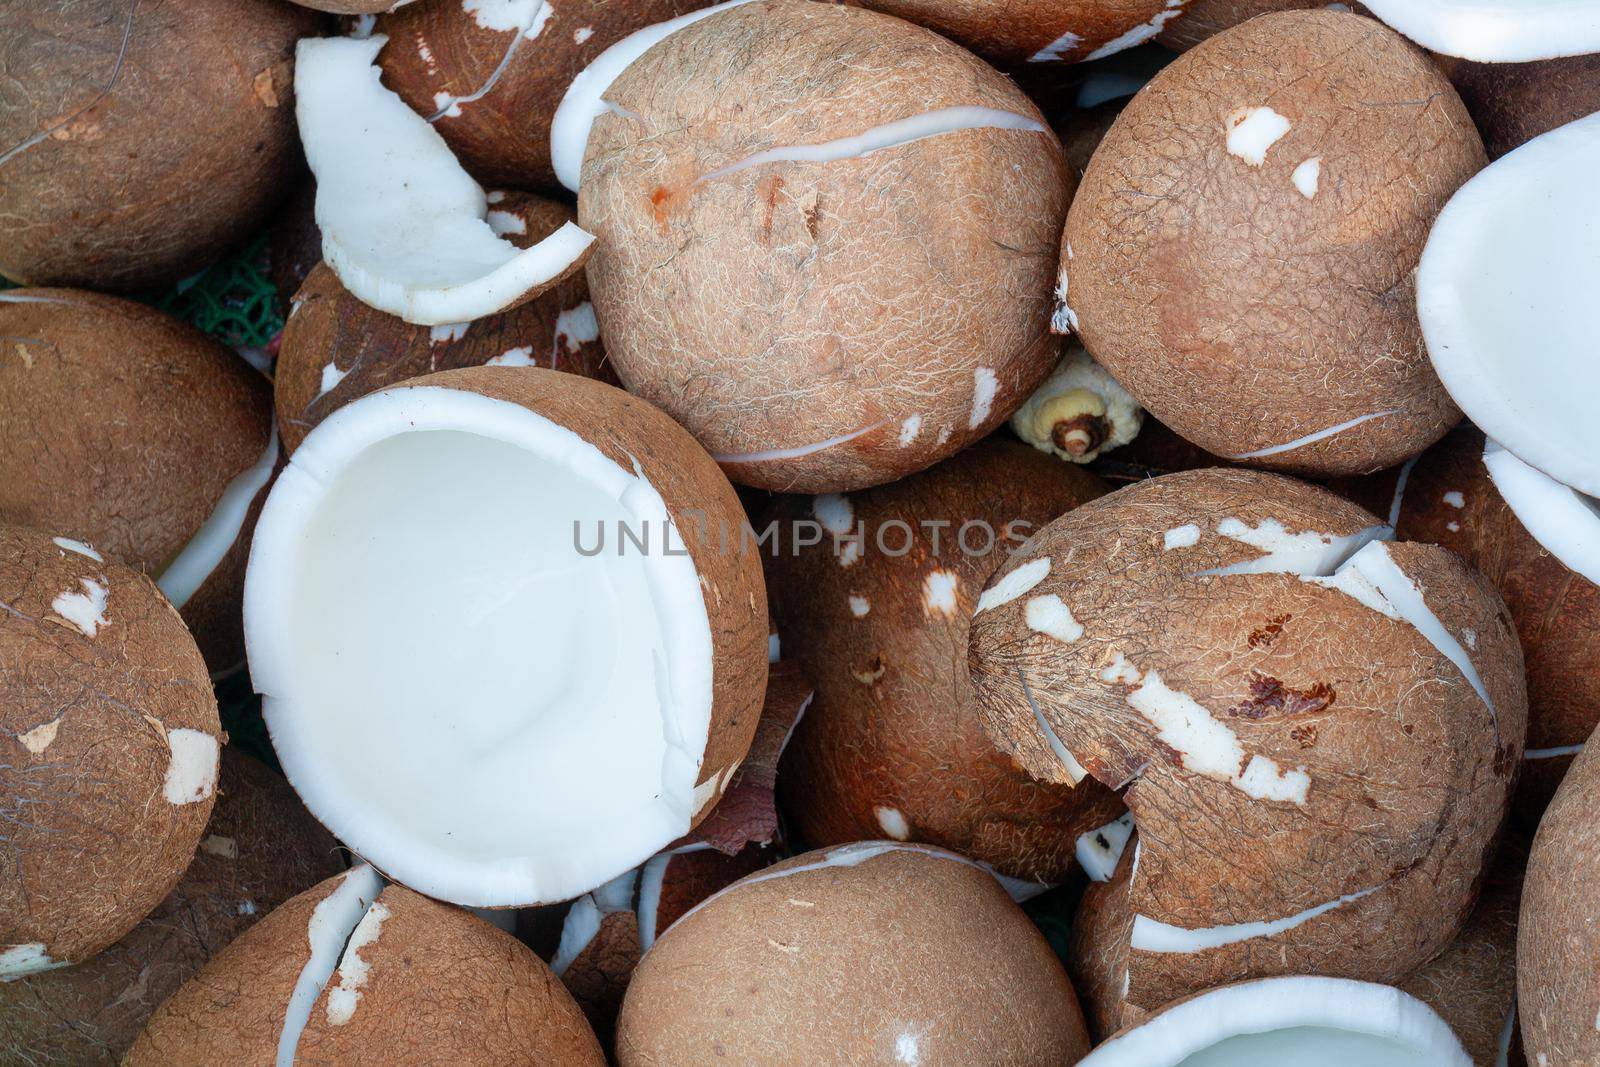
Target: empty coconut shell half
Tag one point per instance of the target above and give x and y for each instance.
(108, 750)
(505, 650)
(1315, 729)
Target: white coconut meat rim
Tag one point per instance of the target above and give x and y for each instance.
(457, 685)
(1506, 294)
(403, 225)
(1305, 1021)
(1496, 31)
(1560, 518)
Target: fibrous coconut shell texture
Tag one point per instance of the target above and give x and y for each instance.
(139, 139)
(1241, 252)
(822, 241)
(336, 348)
(1011, 33)
(1316, 731)
(126, 428)
(416, 982)
(1513, 103)
(108, 750)
(1558, 987)
(1203, 19)
(868, 953)
(893, 744)
(261, 847)
(490, 75)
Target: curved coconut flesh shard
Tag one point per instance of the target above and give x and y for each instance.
(458, 682)
(569, 130)
(333, 921)
(1508, 272)
(1560, 518)
(1496, 31)
(1306, 1021)
(403, 225)
(205, 550)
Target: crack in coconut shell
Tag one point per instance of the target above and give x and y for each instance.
(1359, 685)
(408, 235)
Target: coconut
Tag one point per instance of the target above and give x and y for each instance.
(1299, 1020)
(1316, 730)
(1079, 413)
(1491, 31)
(1513, 103)
(132, 431)
(1083, 130)
(1557, 984)
(261, 848)
(564, 580)
(1510, 259)
(489, 76)
(108, 750)
(1448, 498)
(1051, 32)
(1203, 19)
(410, 235)
(135, 147)
(335, 348)
(876, 611)
(872, 952)
(781, 192)
(1304, 153)
(352, 966)
(294, 246)
(352, 7)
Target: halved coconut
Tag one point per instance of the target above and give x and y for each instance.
(1305, 1021)
(1494, 31)
(1512, 262)
(502, 654)
(403, 225)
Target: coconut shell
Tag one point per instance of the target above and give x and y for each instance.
(495, 86)
(1156, 451)
(441, 986)
(637, 436)
(123, 427)
(294, 245)
(1204, 19)
(781, 312)
(1513, 103)
(1009, 33)
(1557, 613)
(108, 735)
(261, 847)
(139, 140)
(1257, 321)
(371, 349)
(1083, 130)
(893, 744)
(1558, 985)
(854, 956)
(1405, 773)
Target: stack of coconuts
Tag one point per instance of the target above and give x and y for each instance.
(1168, 498)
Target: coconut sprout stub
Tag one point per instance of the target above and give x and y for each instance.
(1316, 730)
(893, 746)
(1509, 264)
(1301, 1020)
(781, 192)
(130, 430)
(108, 749)
(559, 586)
(260, 848)
(1079, 413)
(139, 141)
(336, 348)
(1250, 281)
(874, 952)
(1054, 31)
(353, 966)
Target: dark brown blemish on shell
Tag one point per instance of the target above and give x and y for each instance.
(1270, 697)
(1305, 736)
(1269, 633)
(769, 188)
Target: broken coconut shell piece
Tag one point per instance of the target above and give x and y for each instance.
(353, 965)
(1301, 1020)
(574, 675)
(1080, 412)
(874, 952)
(1249, 647)
(108, 750)
(403, 225)
(1494, 31)
(1511, 261)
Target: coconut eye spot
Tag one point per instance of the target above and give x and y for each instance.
(84, 608)
(192, 768)
(1306, 176)
(1254, 130)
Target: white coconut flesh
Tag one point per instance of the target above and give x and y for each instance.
(1505, 291)
(1099, 851)
(1303, 1021)
(1563, 520)
(1496, 31)
(457, 683)
(331, 934)
(403, 225)
(193, 564)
